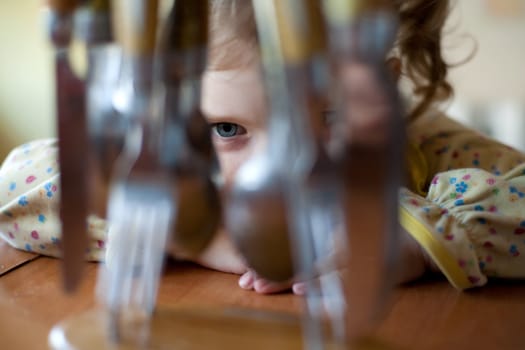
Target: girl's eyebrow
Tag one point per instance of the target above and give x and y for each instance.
(235, 119)
(246, 118)
(233, 96)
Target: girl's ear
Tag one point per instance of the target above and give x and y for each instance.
(394, 66)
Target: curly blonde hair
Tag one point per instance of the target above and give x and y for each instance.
(419, 41)
(418, 45)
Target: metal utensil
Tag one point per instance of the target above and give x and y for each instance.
(361, 34)
(187, 149)
(291, 45)
(263, 182)
(278, 197)
(72, 143)
(141, 207)
(106, 128)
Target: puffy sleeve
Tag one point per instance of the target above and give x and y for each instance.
(30, 198)
(470, 213)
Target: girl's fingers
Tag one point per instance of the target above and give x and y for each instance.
(250, 281)
(299, 288)
(267, 287)
(246, 281)
(327, 283)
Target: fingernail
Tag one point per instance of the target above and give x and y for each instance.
(299, 288)
(246, 280)
(262, 285)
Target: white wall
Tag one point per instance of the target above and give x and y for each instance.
(490, 88)
(26, 83)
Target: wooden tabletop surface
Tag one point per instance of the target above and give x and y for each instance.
(428, 314)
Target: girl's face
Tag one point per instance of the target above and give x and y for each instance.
(233, 102)
(234, 105)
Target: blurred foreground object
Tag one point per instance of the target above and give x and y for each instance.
(294, 211)
(71, 121)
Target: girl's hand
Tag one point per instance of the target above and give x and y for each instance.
(413, 263)
(221, 255)
(250, 281)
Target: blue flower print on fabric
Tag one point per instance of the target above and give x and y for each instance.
(49, 189)
(22, 201)
(513, 189)
(12, 186)
(461, 187)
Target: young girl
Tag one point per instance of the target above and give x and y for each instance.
(463, 210)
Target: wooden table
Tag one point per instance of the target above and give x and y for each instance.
(429, 314)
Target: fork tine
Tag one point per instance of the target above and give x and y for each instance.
(141, 207)
(141, 216)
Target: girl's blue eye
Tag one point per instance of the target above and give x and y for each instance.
(228, 130)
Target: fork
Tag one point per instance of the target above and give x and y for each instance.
(140, 212)
(140, 205)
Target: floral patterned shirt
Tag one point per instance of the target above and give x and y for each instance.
(30, 199)
(465, 203)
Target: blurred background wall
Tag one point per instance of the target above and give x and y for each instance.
(26, 95)
(490, 88)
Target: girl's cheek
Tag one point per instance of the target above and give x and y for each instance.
(232, 157)
(230, 162)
